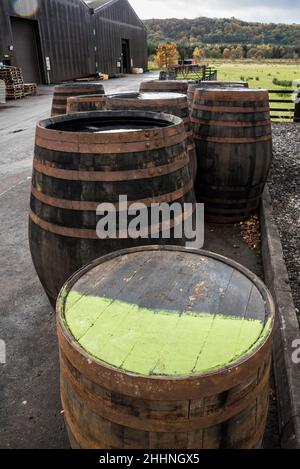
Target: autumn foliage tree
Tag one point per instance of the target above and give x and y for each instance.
(199, 53)
(167, 54)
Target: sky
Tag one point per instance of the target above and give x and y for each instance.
(269, 11)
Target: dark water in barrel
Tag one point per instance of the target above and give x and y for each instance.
(148, 96)
(108, 124)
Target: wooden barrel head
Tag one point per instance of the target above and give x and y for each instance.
(167, 313)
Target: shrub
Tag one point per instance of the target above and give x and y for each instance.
(286, 83)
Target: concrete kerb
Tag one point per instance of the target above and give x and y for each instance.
(286, 370)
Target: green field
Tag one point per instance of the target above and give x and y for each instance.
(261, 75)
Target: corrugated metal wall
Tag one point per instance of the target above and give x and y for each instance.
(114, 23)
(66, 30)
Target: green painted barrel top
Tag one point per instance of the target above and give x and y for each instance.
(165, 313)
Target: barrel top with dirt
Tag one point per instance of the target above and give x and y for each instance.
(166, 312)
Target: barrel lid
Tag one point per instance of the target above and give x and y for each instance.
(163, 311)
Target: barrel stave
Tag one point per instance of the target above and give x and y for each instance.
(233, 139)
(150, 166)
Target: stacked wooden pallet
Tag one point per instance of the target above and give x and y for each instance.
(13, 78)
(30, 89)
(2, 92)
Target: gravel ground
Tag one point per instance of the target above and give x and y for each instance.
(284, 183)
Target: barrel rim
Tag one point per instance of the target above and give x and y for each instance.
(174, 126)
(212, 378)
(174, 122)
(88, 84)
(182, 82)
(136, 95)
(86, 96)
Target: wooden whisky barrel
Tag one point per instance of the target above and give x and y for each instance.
(146, 365)
(67, 90)
(84, 160)
(232, 132)
(166, 86)
(170, 103)
(94, 102)
(212, 84)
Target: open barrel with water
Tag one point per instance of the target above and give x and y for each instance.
(83, 160)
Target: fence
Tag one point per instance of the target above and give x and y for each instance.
(195, 72)
(286, 112)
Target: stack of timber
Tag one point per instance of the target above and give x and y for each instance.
(30, 89)
(13, 78)
(2, 92)
(146, 366)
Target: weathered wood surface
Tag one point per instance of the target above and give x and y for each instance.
(232, 132)
(108, 407)
(76, 169)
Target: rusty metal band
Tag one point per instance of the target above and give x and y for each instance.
(231, 123)
(59, 106)
(116, 414)
(243, 94)
(176, 103)
(230, 202)
(265, 138)
(219, 212)
(80, 441)
(45, 168)
(191, 147)
(231, 110)
(113, 148)
(82, 233)
(70, 93)
(159, 133)
(164, 388)
(78, 437)
(92, 206)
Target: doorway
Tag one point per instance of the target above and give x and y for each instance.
(27, 49)
(126, 61)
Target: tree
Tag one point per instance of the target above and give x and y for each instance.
(199, 53)
(167, 54)
(227, 53)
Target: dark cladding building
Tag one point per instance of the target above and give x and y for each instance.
(57, 40)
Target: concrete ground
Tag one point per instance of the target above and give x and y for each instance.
(30, 411)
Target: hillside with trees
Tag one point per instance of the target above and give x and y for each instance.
(218, 38)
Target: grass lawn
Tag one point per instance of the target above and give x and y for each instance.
(261, 75)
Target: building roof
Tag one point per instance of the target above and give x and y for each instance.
(94, 4)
